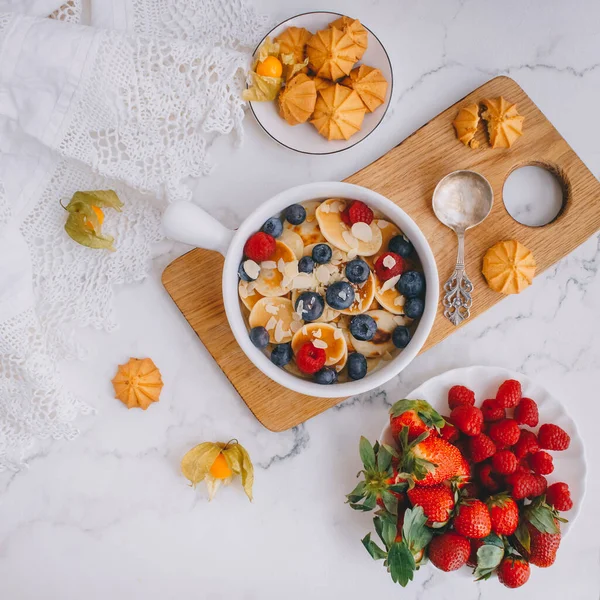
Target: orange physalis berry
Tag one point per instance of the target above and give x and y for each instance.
(220, 469)
(270, 67)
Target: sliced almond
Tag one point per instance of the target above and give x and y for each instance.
(252, 269)
(320, 344)
(362, 232)
(389, 262)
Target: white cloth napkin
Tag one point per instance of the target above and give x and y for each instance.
(127, 102)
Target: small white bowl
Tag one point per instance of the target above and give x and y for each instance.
(188, 223)
(304, 138)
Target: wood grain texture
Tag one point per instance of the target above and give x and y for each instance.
(407, 175)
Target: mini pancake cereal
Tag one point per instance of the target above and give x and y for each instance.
(333, 292)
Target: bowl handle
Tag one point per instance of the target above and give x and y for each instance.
(188, 223)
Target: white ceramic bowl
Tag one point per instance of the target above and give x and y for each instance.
(304, 138)
(569, 465)
(188, 223)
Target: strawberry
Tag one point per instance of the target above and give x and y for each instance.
(526, 412)
(463, 472)
(459, 394)
(467, 419)
(504, 514)
(513, 571)
(492, 411)
(472, 519)
(487, 478)
(431, 460)
(505, 433)
(359, 212)
(448, 432)
(553, 437)
(509, 394)
(526, 444)
(449, 551)
(541, 463)
(504, 462)
(389, 265)
(559, 496)
(437, 502)
(310, 359)
(481, 447)
(475, 545)
(539, 547)
(259, 246)
(417, 415)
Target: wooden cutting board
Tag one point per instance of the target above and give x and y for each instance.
(407, 175)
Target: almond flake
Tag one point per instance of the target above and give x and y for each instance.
(280, 332)
(303, 281)
(362, 232)
(319, 344)
(271, 323)
(300, 308)
(304, 330)
(285, 282)
(317, 333)
(337, 207)
(243, 290)
(352, 254)
(295, 326)
(389, 284)
(268, 264)
(251, 286)
(281, 265)
(324, 207)
(399, 301)
(291, 269)
(296, 316)
(382, 224)
(271, 308)
(389, 262)
(252, 269)
(350, 239)
(337, 334)
(322, 274)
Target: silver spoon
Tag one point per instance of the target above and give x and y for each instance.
(461, 200)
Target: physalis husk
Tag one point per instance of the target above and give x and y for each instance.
(263, 89)
(290, 67)
(217, 464)
(84, 223)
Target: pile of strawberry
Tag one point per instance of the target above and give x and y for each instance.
(467, 489)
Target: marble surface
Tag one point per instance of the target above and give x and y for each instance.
(109, 515)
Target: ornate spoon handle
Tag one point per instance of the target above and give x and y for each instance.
(458, 288)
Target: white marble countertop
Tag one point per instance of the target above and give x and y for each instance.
(109, 515)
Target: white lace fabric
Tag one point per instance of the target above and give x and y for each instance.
(133, 111)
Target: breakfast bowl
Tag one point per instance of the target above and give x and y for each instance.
(304, 137)
(190, 224)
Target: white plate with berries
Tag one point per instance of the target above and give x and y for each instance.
(479, 467)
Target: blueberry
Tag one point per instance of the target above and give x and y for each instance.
(306, 264)
(363, 327)
(259, 336)
(242, 273)
(357, 365)
(295, 214)
(411, 284)
(340, 295)
(413, 308)
(357, 271)
(400, 245)
(312, 305)
(401, 336)
(321, 254)
(273, 226)
(326, 376)
(281, 354)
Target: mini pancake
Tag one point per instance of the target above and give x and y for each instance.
(382, 340)
(293, 241)
(309, 229)
(322, 333)
(364, 294)
(248, 294)
(388, 231)
(337, 233)
(328, 313)
(271, 280)
(276, 315)
(388, 296)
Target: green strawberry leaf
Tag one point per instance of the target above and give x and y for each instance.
(357, 493)
(386, 530)
(384, 459)
(523, 536)
(398, 487)
(362, 507)
(401, 563)
(541, 516)
(372, 548)
(414, 533)
(391, 450)
(493, 540)
(367, 454)
(488, 558)
(390, 502)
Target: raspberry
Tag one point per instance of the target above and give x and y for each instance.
(504, 462)
(526, 413)
(509, 393)
(559, 496)
(527, 444)
(541, 463)
(448, 432)
(471, 490)
(389, 265)
(487, 478)
(505, 433)
(467, 419)
(523, 466)
(459, 394)
(552, 437)
(524, 485)
(260, 246)
(310, 359)
(359, 212)
(540, 485)
(492, 411)
(481, 447)
(345, 214)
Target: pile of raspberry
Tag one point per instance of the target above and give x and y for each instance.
(505, 455)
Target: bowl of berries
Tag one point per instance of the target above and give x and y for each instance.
(478, 468)
(329, 288)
